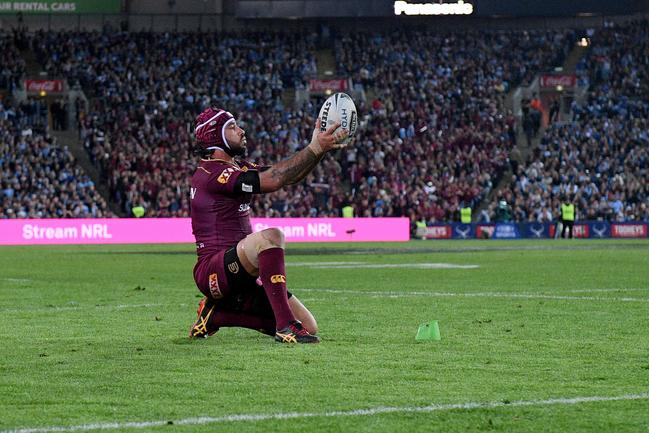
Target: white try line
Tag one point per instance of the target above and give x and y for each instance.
(365, 265)
(331, 414)
(404, 294)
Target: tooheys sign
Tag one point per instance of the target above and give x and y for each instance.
(629, 230)
(335, 85)
(565, 80)
(49, 86)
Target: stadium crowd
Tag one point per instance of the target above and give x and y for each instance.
(437, 136)
(430, 140)
(12, 65)
(38, 177)
(148, 87)
(599, 160)
(434, 135)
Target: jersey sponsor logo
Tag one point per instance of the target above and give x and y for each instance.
(246, 188)
(192, 192)
(244, 207)
(214, 286)
(225, 175)
(278, 279)
(233, 267)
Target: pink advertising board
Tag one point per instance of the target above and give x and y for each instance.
(178, 230)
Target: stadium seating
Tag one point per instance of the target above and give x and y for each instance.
(434, 134)
(599, 159)
(38, 177)
(12, 65)
(147, 89)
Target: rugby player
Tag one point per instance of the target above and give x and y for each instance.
(241, 273)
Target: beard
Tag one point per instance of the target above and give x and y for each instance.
(239, 150)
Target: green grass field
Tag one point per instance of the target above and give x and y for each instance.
(537, 336)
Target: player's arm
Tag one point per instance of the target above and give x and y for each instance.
(299, 165)
(317, 162)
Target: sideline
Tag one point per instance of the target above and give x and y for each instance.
(332, 414)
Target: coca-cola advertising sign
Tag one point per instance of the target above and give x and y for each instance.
(565, 80)
(335, 85)
(49, 86)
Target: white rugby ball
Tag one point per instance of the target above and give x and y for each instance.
(339, 107)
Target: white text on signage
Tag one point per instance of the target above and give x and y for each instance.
(459, 8)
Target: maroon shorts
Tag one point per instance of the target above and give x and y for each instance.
(221, 276)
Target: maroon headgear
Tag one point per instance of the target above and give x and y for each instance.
(209, 129)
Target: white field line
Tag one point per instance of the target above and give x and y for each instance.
(375, 294)
(363, 265)
(16, 280)
(404, 294)
(633, 289)
(323, 263)
(331, 414)
(85, 307)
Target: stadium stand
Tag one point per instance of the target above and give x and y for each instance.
(136, 126)
(12, 65)
(599, 159)
(453, 86)
(40, 178)
(147, 90)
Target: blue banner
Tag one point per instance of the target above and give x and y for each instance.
(507, 231)
(534, 230)
(599, 229)
(463, 231)
(537, 230)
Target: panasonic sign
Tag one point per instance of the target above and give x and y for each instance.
(459, 8)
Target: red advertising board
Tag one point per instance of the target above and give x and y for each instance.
(578, 231)
(335, 85)
(565, 80)
(439, 232)
(629, 230)
(485, 231)
(49, 86)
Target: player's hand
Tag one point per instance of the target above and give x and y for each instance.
(328, 140)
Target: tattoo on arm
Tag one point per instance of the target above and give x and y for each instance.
(295, 168)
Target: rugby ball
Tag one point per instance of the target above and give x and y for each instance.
(339, 107)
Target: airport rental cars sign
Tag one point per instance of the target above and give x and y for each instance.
(61, 7)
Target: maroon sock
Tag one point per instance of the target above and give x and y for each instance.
(273, 277)
(225, 319)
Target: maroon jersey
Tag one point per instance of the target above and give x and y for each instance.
(220, 214)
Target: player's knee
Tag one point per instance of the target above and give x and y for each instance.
(274, 237)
